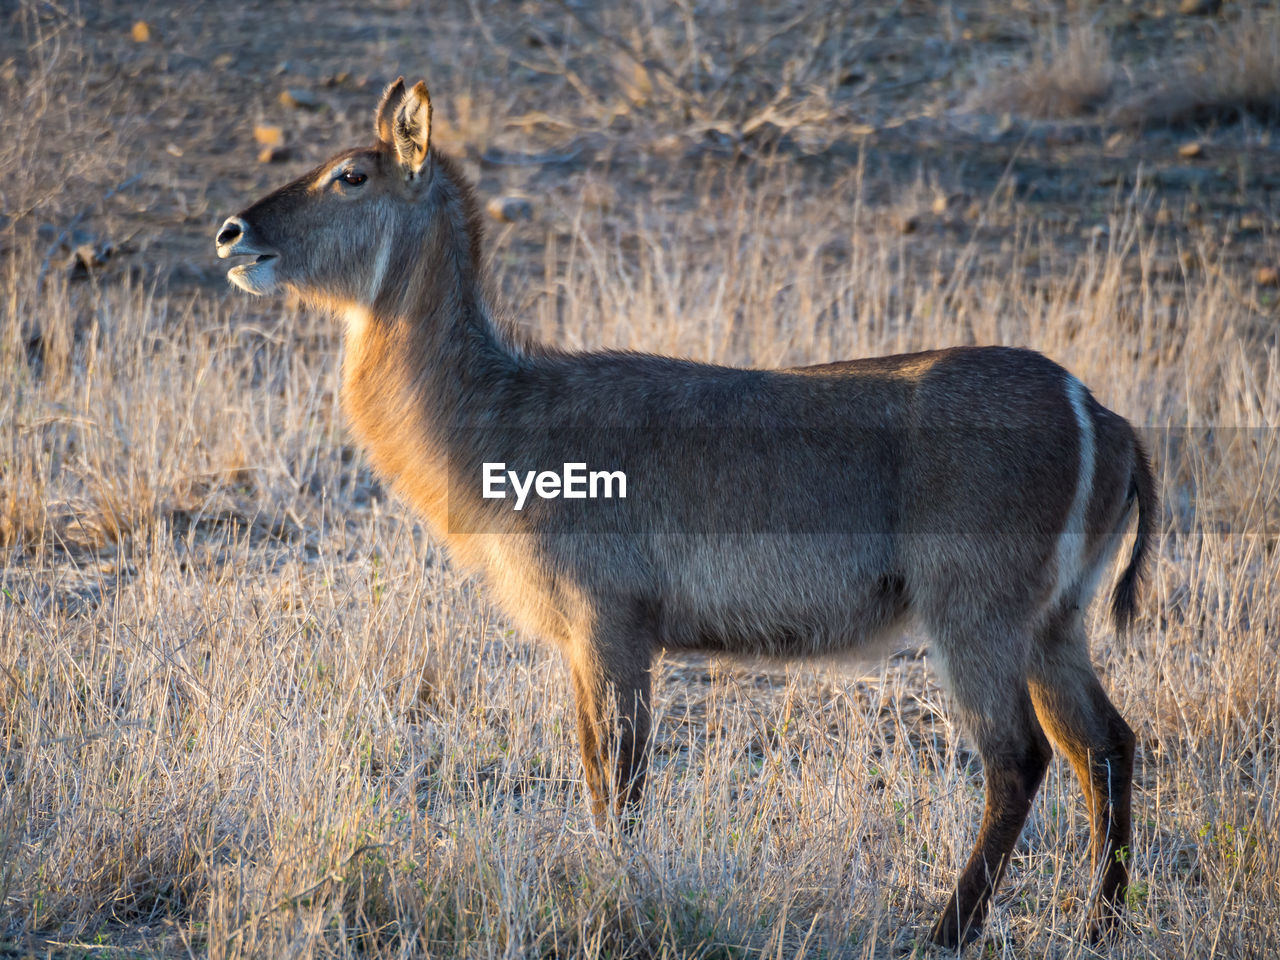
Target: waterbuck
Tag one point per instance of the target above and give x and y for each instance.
(787, 513)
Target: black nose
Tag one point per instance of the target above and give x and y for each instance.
(231, 231)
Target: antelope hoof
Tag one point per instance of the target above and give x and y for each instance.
(1104, 926)
(946, 932)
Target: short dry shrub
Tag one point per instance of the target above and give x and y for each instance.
(1237, 75)
(1069, 75)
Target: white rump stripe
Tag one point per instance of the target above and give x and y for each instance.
(1074, 536)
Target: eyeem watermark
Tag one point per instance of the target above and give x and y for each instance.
(574, 482)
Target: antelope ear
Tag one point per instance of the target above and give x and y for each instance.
(391, 98)
(411, 130)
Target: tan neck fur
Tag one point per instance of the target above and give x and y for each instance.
(424, 360)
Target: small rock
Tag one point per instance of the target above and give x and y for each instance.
(223, 60)
(1191, 149)
(268, 136)
(953, 203)
(277, 153)
(173, 150)
(141, 33)
(1199, 8)
(1267, 277)
(510, 209)
(908, 224)
(299, 98)
(1251, 221)
(340, 79)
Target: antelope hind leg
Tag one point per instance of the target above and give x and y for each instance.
(1082, 721)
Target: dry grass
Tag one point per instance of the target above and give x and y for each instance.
(1074, 73)
(713, 68)
(1235, 75)
(1070, 74)
(249, 710)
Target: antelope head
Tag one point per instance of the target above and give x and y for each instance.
(331, 235)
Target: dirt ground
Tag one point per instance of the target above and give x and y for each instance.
(544, 101)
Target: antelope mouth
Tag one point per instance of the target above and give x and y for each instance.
(257, 273)
(256, 276)
(257, 259)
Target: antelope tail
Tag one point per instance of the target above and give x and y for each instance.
(1142, 488)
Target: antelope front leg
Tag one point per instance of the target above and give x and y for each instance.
(611, 695)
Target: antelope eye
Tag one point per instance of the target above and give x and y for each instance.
(353, 178)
